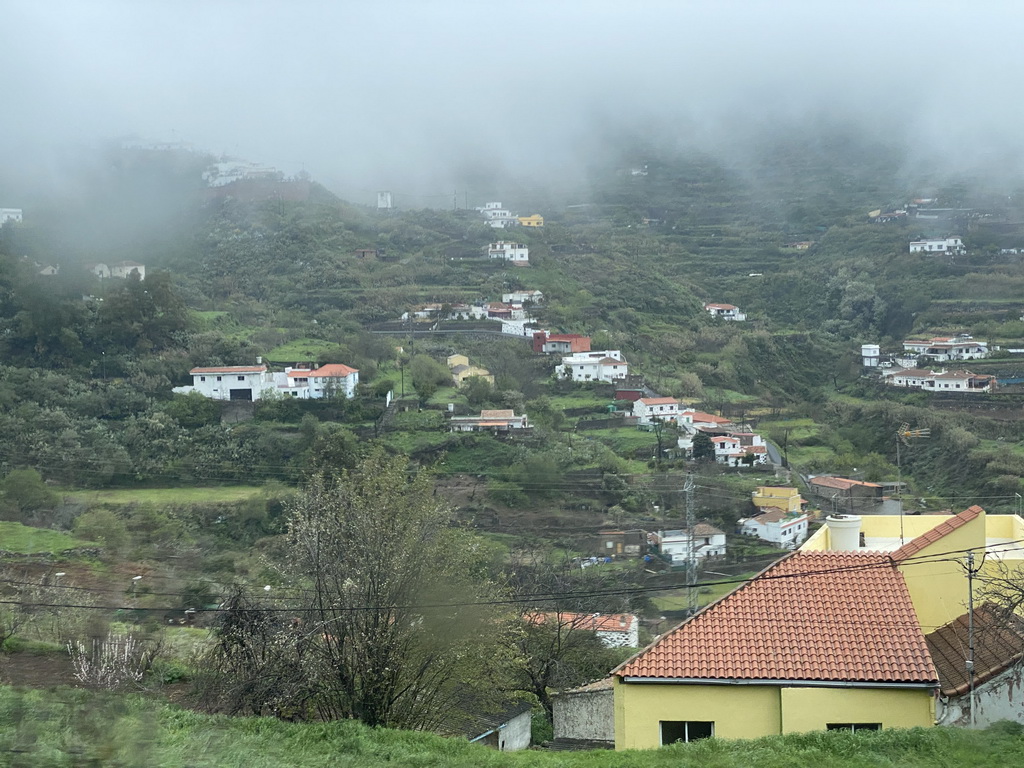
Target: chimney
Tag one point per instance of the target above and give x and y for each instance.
(844, 532)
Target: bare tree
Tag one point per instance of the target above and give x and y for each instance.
(393, 622)
(115, 661)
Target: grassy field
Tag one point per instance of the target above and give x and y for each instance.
(74, 727)
(15, 537)
(299, 349)
(678, 600)
(122, 496)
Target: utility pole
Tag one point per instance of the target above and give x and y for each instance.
(971, 573)
(691, 552)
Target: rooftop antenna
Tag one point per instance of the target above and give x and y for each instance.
(903, 437)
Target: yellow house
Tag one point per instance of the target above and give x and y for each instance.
(818, 641)
(535, 220)
(786, 499)
(864, 627)
(462, 370)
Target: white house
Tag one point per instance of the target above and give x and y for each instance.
(314, 384)
(514, 252)
(614, 630)
(943, 348)
(120, 269)
(605, 365)
(938, 245)
(740, 449)
(708, 541)
(123, 269)
(230, 382)
(725, 311)
(497, 216)
(502, 420)
(10, 214)
(647, 409)
(787, 529)
(939, 381)
(521, 297)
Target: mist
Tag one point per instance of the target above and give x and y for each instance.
(427, 98)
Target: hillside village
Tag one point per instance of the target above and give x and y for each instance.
(710, 485)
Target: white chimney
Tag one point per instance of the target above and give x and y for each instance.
(259, 360)
(844, 532)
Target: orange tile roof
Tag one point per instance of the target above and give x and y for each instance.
(592, 622)
(334, 369)
(658, 401)
(824, 616)
(708, 418)
(914, 546)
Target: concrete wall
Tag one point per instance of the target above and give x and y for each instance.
(585, 715)
(998, 699)
(515, 735)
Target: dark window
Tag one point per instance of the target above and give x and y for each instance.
(241, 378)
(853, 727)
(218, 378)
(202, 378)
(686, 730)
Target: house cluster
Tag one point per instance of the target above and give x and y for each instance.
(725, 311)
(545, 342)
(735, 445)
(864, 627)
(12, 215)
(255, 382)
(901, 369)
(120, 269)
(512, 312)
(500, 217)
(517, 254)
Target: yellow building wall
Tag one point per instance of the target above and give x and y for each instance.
(454, 360)
(536, 220)
(812, 709)
(785, 498)
(938, 587)
(738, 711)
(752, 711)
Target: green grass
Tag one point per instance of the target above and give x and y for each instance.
(799, 429)
(74, 727)
(299, 349)
(678, 600)
(627, 439)
(191, 495)
(15, 537)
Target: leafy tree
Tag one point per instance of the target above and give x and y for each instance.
(25, 492)
(703, 448)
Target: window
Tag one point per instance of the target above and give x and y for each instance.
(241, 378)
(686, 730)
(202, 378)
(218, 378)
(853, 727)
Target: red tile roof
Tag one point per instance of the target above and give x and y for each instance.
(998, 643)
(658, 401)
(592, 622)
(707, 418)
(825, 616)
(914, 546)
(334, 370)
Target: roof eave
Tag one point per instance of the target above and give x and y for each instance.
(921, 684)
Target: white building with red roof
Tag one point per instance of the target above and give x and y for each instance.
(648, 409)
(786, 529)
(939, 381)
(331, 380)
(604, 365)
(614, 630)
(943, 348)
(725, 311)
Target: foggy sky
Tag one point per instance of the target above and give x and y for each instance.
(408, 95)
